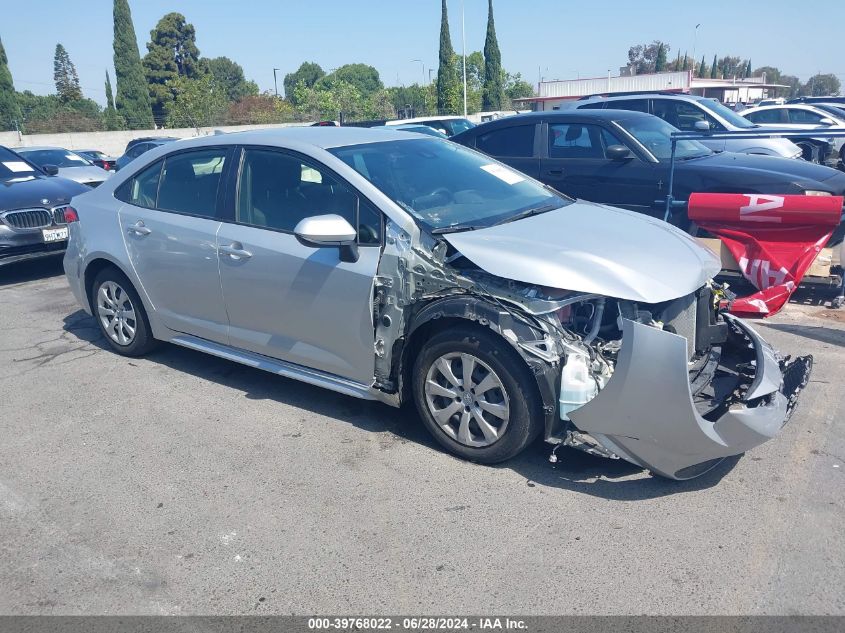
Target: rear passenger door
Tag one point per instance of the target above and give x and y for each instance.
(169, 221)
(291, 301)
(514, 145)
(575, 162)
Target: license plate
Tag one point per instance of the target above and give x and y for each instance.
(54, 235)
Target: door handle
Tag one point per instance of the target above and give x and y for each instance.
(138, 229)
(235, 250)
(554, 172)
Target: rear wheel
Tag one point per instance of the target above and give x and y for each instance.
(475, 395)
(120, 314)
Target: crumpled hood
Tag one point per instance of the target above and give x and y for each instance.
(593, 248)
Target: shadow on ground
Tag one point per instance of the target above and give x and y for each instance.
(575, 471)
(829, 335)
(22, 272)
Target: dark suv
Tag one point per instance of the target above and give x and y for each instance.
(32, 209)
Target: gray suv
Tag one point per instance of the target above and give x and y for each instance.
(398, 267)
(691, 113)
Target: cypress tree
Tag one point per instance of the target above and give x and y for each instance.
(702, 70)
(492, 95)
(748, 69)
(172, 53)
(110, 117)
(133, 97)
(714, 69)
(660, 59)
(65, 76)
(10, 112)
(448, 85)
(678, 61)
(686, 63)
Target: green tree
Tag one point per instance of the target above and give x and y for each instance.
(45, 114)
(308, 73)
(748, 69)
(196, 102)
(493, 76)
(172, 52)
(420, 99)
(111, 120)
(10, 113)
(714, 69)
(475, 79)
(449, 94)
(133, 98)
(364, 78)
(702, 69)
(660, 59)
(65, 76)
(230, 75)
(822, 85)
(517, 88)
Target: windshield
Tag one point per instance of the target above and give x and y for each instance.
(726, 113)
(57, 157)
(11, 166)
(446, 186)
(456, 126)
(654, 133)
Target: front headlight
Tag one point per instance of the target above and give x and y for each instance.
(811, 192)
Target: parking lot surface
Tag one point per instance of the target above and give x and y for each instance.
(182, 483)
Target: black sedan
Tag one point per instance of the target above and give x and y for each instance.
(622, 158)
(33, 207)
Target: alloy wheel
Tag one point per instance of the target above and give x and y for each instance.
(116, 313)
(467, 399)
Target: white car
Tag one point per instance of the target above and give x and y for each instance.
(801, 117)
(69, 164)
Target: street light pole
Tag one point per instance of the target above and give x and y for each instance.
(694, 43)
(422, 65)
(275, 82)
(464, 40)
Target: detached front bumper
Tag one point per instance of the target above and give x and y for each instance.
(646, 413)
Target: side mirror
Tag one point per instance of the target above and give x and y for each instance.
(826, 121)
(330, 230)
(50, 170)
(702, 126)
(617, 152)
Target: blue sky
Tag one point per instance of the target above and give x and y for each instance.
(552, 38)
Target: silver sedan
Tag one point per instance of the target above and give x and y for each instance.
(65, 163)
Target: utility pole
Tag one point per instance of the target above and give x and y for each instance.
(276, 82)
(464, 42)
(694, 43)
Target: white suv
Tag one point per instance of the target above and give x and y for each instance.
(690, 113)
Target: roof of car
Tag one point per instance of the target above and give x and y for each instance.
(33, 148)
(648, 95)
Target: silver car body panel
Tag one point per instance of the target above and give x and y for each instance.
(646, 414)
(632, 257)
(88, 175)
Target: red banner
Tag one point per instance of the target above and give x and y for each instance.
(774, 239)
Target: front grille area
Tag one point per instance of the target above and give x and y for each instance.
(28, 218)
(59, 215)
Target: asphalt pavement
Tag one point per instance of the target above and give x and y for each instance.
(186, 484)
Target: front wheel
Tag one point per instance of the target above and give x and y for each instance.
(476, 395)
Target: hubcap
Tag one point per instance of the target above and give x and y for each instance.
(116, 312)
(467, 399)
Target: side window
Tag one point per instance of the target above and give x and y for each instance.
(142, 189)
(516, 141)
(637, 105)
(574, 140)
(189, 182)
(277, 191)
(803, 116)
(766, 116)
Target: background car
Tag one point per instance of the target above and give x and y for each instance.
(136, 147)
(802, 116)
(32, 209)
(818, 99)
(419, 129)
(448, 125)
(691, 113)
(622, 158)
(100, 159)
(70, 164)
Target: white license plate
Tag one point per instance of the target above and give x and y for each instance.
(54, 235)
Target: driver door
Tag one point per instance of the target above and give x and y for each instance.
(289, 301)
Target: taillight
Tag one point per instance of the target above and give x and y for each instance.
(71, 215)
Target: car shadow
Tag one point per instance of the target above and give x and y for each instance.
(575, 470)
(829, 335)
(32, 270)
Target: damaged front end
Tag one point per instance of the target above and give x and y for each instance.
(679, 387)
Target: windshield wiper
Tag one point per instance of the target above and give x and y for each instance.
(527, 213)
(454, 228)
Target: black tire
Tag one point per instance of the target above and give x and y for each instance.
(142, 342)
(525, 421)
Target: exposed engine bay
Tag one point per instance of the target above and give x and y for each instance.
(667, 386)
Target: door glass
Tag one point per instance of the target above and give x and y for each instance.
(637, 105)
(277, 191)
(142, 189)
(766, 116)
(516, 142)
(574, 140)
(189, 182)
(803, 116)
